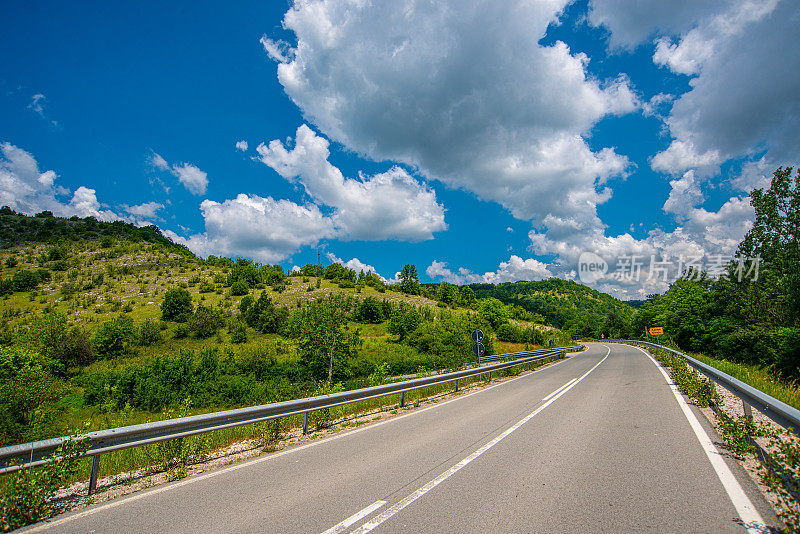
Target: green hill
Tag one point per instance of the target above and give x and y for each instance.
(564, 304)
(86, 333)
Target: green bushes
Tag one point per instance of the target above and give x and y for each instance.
(25, 495)
(239, 288)
(149, 332)
(514, 334)
(263, 315)
(177, 305)
(404, 320)
(28, 392)
(447, 340)
(205, 322)
(212, 379)
(115, 336)
(371, 311)
(25, 280)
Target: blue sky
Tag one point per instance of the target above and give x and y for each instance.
(495, 142)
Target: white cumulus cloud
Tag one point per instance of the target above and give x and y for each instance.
(262, 228)
(389, 205)
(513, 270)
(194, 179)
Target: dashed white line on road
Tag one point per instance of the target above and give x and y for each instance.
(371, 524)
(49, 524)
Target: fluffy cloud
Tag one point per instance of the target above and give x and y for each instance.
(632, 23)
(389, 205)
(242, 145)
(146, 210)
(466, 94)
(354, 264)
(681, 156)
(25, 189)
(265, 229)
(194, 179)
(685, 194)
(515, 269)
(743, 99)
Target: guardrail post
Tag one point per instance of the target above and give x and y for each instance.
(748, 410)
(94, 473)
(402, 399)
(305, 423)
(456, 385)
(490, 376)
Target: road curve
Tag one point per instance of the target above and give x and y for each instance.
(597, 442)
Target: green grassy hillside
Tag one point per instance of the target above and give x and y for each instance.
(84, 336)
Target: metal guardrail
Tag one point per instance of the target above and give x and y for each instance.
(780, 412)
(503, 357)
(102, 441)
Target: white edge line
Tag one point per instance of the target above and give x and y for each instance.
(197, 478)
(559, 389)
(340, 527)
(397, 507)
(750, 517)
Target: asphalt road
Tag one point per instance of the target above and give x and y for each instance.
(597, 442)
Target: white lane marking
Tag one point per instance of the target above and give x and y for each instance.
(198, 478)
(559, 389)
(397, 507)
(341, 527)
(750, 517)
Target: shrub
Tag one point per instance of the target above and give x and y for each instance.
(404, 320)
(181, 331)
(26, 495)
(177, 305)
(149, 332)
(115, 336)
(206, 286)
(239, 333)
(25, 280)
(370, 311)
(239, 288)
(205, 322)
(264, 316)
(11, 262)
(245, 303)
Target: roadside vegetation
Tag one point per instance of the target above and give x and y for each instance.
(107, 324)
(776, 453)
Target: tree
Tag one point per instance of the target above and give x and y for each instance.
(115, 336)
(467, 296)
(264, 316)
(409, 280)
(494, 311)
(447, 293)
(177, 305)
(775, 238)
(326, 342)
(404, 320)
(369, 311)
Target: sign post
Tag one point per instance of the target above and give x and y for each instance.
(657, 331)
(478, 349)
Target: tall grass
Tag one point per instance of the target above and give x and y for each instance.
(763, 379)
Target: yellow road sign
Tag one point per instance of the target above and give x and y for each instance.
(657, 331)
